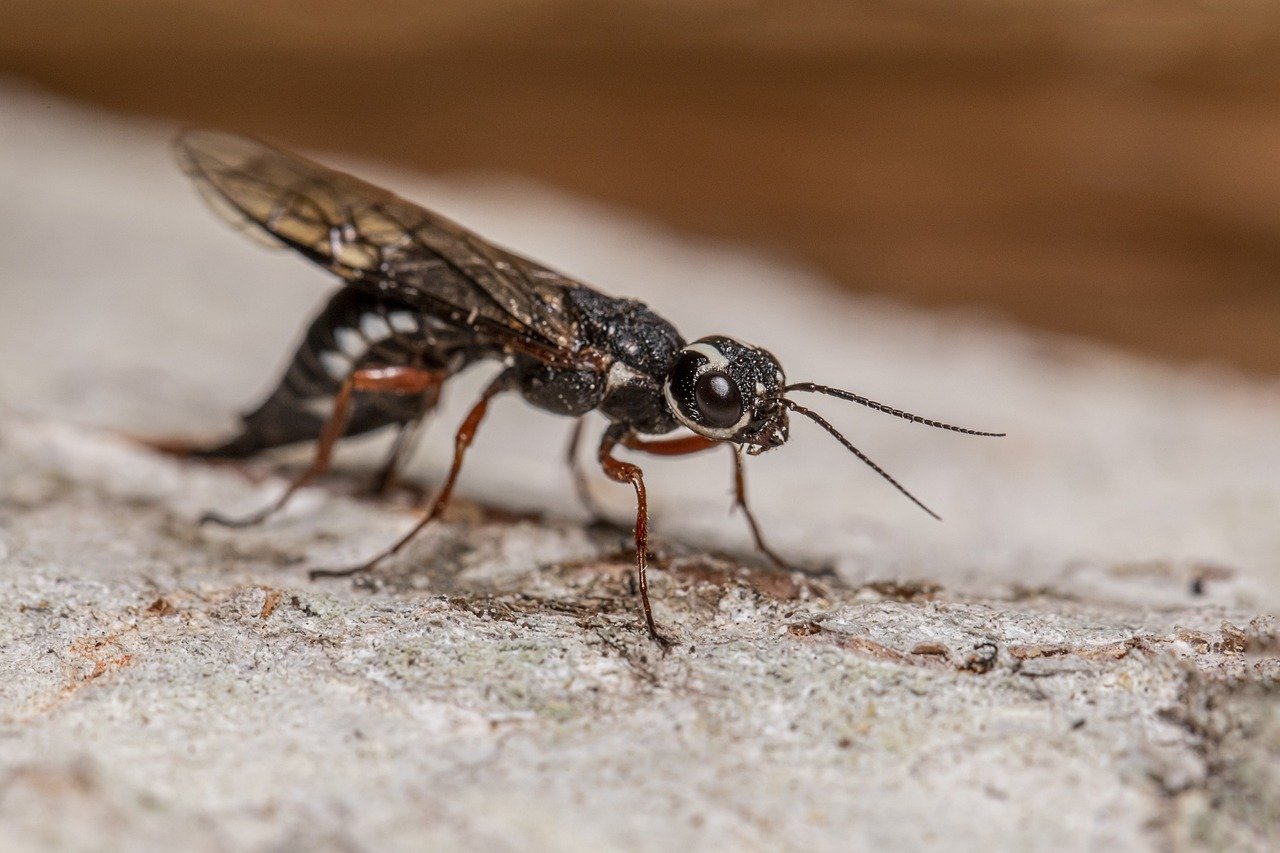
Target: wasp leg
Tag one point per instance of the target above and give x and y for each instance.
(385, 478)
(580, 484)
(740, 500)
(625, 472)
(694, 444)
(385, 380)
(462, 440)
(682, 446)
(405, 443)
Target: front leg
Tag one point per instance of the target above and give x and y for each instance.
(580, 484)
(405, 443)
(694, 444)
(740, 500)
(625, 472)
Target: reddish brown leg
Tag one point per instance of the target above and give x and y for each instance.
(681, 446)
(385, 380)
(695, 443)
(406, 441)
(625, 472)
(740, 500)
(462, 440)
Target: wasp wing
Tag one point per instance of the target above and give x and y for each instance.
(378, 241)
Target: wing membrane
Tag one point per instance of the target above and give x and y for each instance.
(376, 240)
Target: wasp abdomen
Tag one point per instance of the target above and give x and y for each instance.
(355, 330)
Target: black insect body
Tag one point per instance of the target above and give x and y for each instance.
(423, 298)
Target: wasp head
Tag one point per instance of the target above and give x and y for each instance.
(726, 390)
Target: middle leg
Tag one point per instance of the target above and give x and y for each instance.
(405, 443)
(580, 484)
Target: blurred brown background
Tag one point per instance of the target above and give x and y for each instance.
(1108, 169)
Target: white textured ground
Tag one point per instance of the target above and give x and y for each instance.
(1080, 657)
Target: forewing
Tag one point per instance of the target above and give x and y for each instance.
(377, 240)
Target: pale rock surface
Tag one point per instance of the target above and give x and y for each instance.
(1080, 657)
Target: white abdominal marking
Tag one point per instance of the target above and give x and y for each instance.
(335, 364)
(321, 407)
(435, 324)
(375, 328)
(350, 342)
(403, 321)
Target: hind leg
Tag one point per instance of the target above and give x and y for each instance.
(461, 442)
(379, 380)
(388, 474)
(405, 443)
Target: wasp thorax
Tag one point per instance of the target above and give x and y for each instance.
(727, 390)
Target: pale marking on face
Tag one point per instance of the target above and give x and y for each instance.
(714, 357)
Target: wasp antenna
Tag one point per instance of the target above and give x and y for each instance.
(881, 407)
(820, 421)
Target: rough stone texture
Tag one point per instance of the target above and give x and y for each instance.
(1080, 657)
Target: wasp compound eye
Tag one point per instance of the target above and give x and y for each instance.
(714, 389)
(718, 399)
